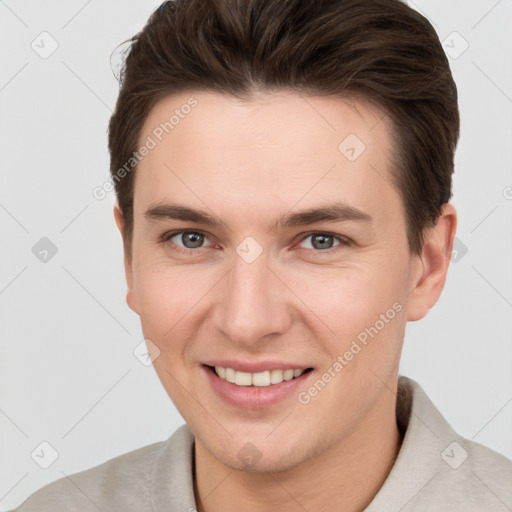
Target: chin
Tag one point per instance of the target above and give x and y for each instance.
(270, 462)
(258, 453)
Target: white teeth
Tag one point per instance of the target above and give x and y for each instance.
(261, 379)
(276, 376)
(288, 375)
(243, 379)
(230, 375)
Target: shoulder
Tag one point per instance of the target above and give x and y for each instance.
(478, 475)
(471, 477)
(444, 470)
(118, 484)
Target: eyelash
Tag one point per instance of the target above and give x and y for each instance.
(343, 241)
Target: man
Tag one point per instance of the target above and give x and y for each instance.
(283, 173)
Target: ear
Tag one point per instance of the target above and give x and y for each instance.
(128, 266)
(432, 264)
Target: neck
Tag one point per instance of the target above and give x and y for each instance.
(350, 472)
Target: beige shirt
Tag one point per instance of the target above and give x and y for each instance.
(436, 471)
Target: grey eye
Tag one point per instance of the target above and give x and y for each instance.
(190, 239)
(320, 241)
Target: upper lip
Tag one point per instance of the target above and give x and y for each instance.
(256, 366)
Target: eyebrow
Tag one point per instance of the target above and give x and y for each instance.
(179, 212)
(335, 212)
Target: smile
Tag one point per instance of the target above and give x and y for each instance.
(259, 390)
(260, 379)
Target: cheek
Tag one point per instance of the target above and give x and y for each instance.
(170, 300)
(348, 295)
(170, 308)
(356, 309)
(158, 298)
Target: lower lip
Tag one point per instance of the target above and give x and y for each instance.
(254, 397)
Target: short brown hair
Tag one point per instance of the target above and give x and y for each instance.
(380, 50)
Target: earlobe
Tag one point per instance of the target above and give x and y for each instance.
(433, 264)
(128, 267)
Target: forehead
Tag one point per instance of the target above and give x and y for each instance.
(275, 149)
(266, 118)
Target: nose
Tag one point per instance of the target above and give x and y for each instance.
(253, 304)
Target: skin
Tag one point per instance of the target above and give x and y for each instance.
(249, 163)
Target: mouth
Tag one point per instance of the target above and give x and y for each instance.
(261, 379)
(256, 391)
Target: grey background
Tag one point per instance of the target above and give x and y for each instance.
(68, 375)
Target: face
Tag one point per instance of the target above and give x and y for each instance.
(296, 258)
